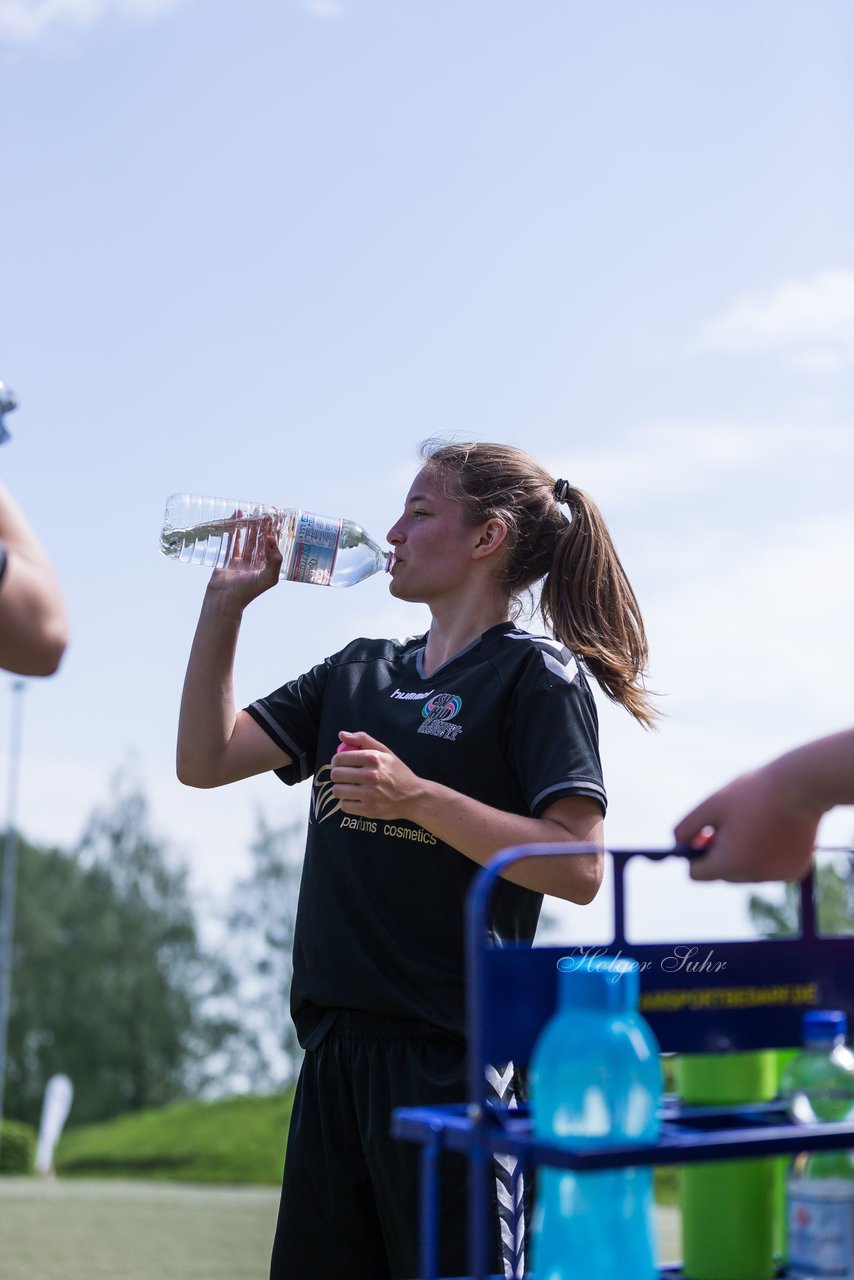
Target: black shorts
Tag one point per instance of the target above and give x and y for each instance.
(349, 1205)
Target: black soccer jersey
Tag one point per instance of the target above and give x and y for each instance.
(509, 721)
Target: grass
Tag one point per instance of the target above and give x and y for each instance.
(86, 1229)
(128, 1200)
(238, 1141)
(82, 1229)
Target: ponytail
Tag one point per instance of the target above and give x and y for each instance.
(586, 598)
(588, 602)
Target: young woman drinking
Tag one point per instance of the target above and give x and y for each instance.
(458, 743)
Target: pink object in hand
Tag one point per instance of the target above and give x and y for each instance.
(344, 747)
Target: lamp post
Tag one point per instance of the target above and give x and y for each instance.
(7, 894)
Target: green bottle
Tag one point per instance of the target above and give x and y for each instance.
(730, 1208)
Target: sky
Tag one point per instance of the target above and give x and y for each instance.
(262, 249)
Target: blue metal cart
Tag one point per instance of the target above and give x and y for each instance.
(752, 997)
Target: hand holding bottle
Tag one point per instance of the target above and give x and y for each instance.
(216, 743)
(373, 782)
(254, 564)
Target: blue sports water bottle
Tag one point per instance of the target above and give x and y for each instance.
(595, 1081)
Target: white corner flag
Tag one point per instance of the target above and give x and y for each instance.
(55, 1109)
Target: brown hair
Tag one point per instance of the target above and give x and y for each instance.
(585, 597)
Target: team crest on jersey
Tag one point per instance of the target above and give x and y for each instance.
(437, 715)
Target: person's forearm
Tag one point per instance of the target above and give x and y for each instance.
(33, 624)
(764, 825)
(480, 831)
(208, 713)
(819, 775)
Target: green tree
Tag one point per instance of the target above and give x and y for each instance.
(834, 893)
(260, 927)
(109, 981)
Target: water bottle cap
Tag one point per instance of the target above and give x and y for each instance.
(825, 1024)
(610, 983)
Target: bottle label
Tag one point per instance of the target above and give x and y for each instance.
(316, 542)
(821, 1228)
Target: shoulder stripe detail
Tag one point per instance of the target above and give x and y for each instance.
(262, 717)
(572, 786)
(566, 670)
(556, 657)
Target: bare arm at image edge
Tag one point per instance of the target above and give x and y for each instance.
(765, 823)
(33, 625)
(217, 744)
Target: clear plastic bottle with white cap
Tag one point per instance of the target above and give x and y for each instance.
(223, 533)
(818, 1086)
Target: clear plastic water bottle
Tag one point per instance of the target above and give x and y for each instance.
(221, 533)
(595, 1080)
(818, 1085)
